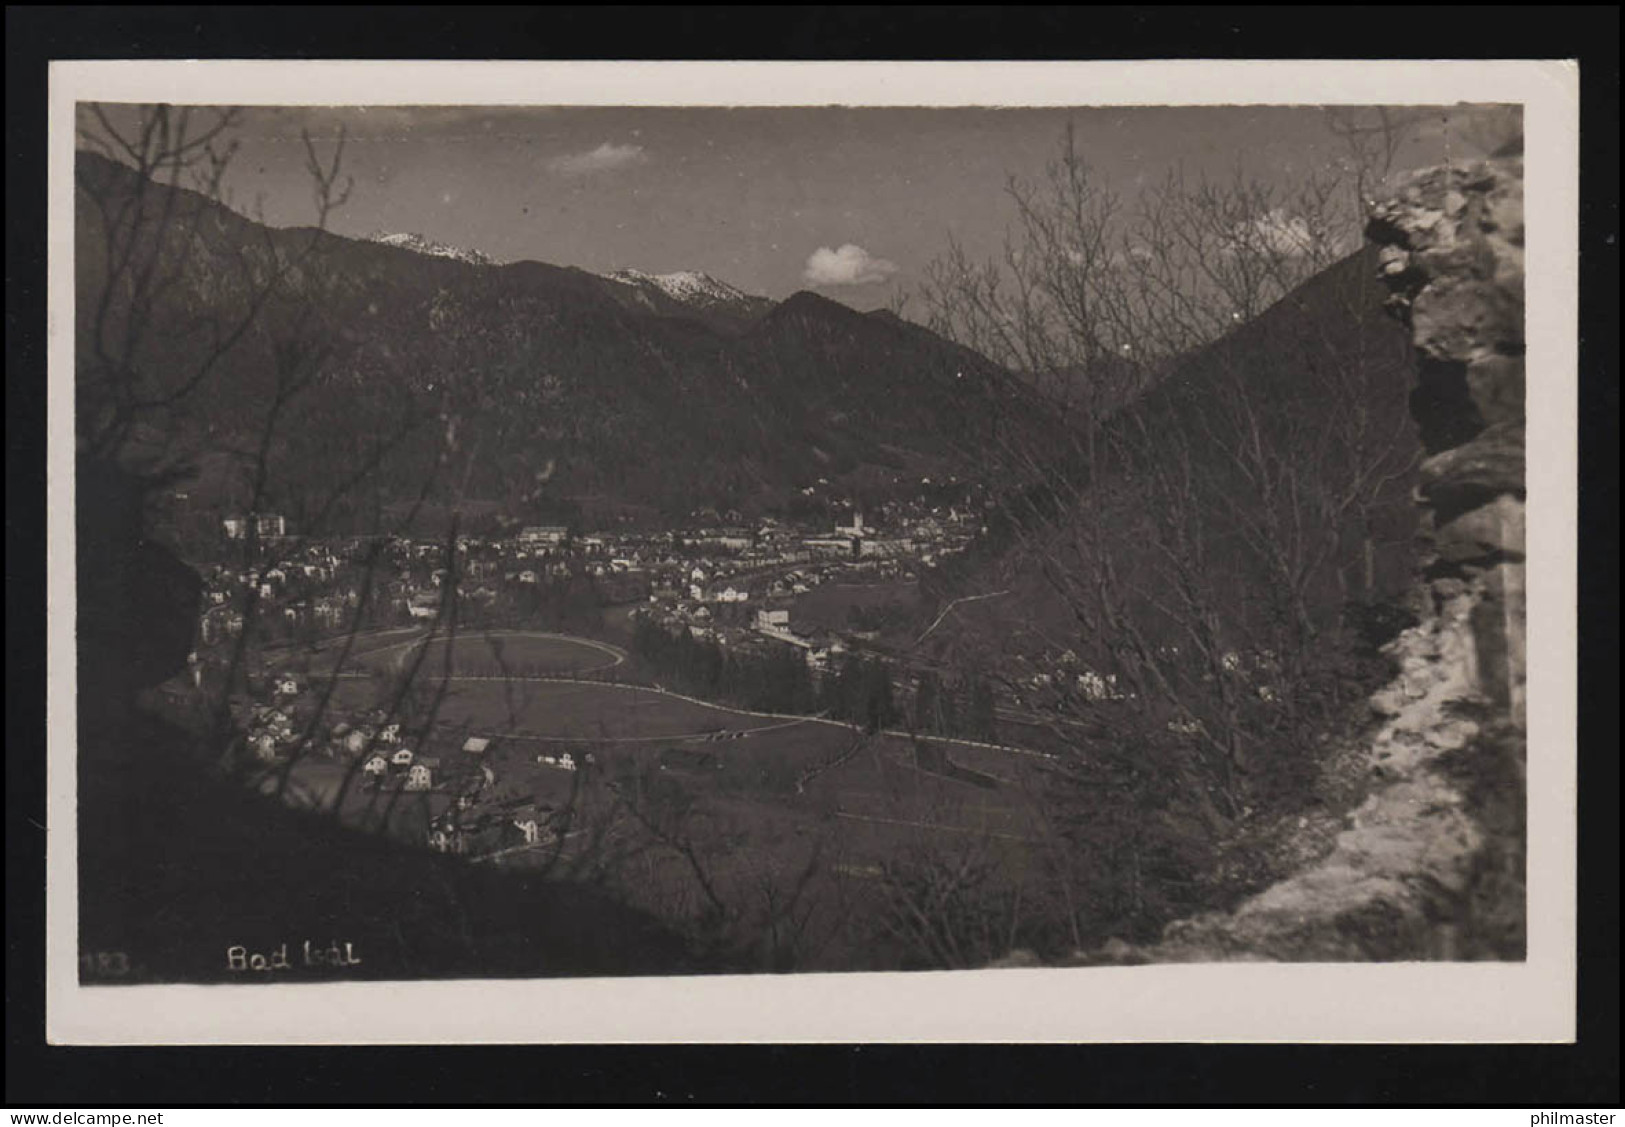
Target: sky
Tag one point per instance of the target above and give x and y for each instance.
(850, 202)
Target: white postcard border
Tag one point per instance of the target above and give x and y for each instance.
(1529, 1002)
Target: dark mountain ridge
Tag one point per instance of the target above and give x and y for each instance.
(561, 384)
(1293, 440)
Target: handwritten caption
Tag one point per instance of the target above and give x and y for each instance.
(289, 956)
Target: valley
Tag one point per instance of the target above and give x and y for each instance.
(1024, 625)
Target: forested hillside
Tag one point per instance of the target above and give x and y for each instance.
(557, 390)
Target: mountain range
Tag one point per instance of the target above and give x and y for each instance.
(563, 392)
(679, 293)
(411, 240)
(427, 378)
(699, 294)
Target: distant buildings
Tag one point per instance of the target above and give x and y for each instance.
(885, 546)
(727, 539)
(550, 534)
(266, 526)
(830, 546)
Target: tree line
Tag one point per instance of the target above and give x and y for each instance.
(858, 689)
(964, 707)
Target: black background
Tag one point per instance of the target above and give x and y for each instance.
(1543, 1076)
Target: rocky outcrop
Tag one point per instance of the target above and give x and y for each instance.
(1452, 244)
(1431, 864)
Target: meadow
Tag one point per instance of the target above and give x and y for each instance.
(791, 822)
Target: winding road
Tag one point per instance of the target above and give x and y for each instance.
(616, 656)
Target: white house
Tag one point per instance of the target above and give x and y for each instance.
(419, 777)
(287, 686)
(524, 820)
(402, 757)
(267, 525)
(544, 534)
(391, 734)
(377, 766)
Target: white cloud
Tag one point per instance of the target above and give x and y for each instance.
(850, 265)
(605, 158)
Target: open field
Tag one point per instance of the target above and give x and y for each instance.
(581, 711)
(497, 653)
(764, 804)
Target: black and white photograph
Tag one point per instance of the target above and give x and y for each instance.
(813, 543)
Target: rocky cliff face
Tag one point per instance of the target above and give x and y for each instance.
(1431, 865)
(1453, 254)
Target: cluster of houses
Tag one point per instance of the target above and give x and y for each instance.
(821, 648)
(271, 732)
(295, 586)
(390, 763)
(414, 772)
(480, 831)
(316, 585)
(721, 578)
(273, 726)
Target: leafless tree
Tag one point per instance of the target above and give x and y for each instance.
(188, 315)
(1178, 498)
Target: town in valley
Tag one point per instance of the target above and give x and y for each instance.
(1067, 537)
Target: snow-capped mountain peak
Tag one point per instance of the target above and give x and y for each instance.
(687, 286)
(411, 240)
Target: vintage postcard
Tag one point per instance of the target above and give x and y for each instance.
(812, 552)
